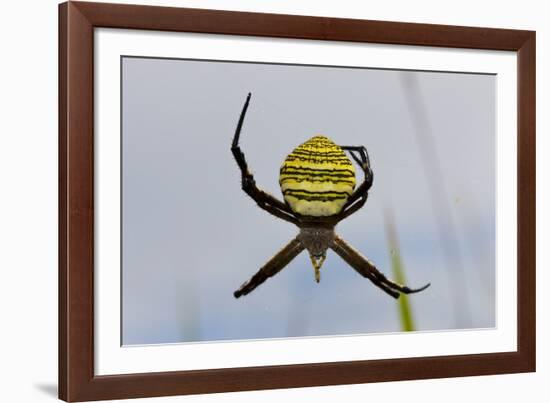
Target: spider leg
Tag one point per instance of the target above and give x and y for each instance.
(272, 267)
(361, 156)
(350, 209)
(359, 197)
(368, 270)
(263, 199)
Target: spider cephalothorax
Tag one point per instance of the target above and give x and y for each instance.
(318, 184)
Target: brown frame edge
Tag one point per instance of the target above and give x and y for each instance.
(77, 381)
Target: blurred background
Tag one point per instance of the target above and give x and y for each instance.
(190, 236)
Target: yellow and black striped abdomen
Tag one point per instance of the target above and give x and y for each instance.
(317, 178)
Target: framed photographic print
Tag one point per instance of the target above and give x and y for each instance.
(253, 201)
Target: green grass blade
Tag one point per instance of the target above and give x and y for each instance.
(398, 270)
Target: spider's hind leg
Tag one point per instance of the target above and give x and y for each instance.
(359, 196)
(263, 199)
(235, 149)
(363, 158)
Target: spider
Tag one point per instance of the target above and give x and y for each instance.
(317, 181)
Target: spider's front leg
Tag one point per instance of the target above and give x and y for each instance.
(263, 199)
(272, 267)
(365, 268)
(359, 197)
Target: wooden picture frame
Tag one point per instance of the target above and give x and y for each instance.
(77, 381)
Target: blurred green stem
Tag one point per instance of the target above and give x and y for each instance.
(404, 306)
